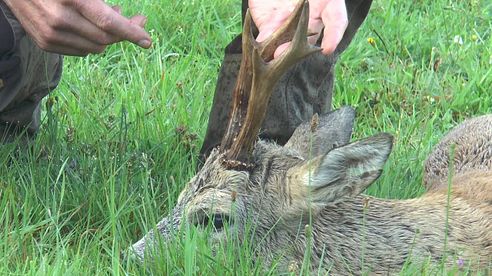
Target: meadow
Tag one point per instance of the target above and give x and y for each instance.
(121, 134)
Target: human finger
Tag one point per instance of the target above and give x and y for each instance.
(335, 23)
(75, 23)
(67, 43)
(268, 28)
(67, 51)
(280, 49)
(116, 8)
(312, 39)
(315, 26)
(78, 24)
(139, 20)
(110, 21)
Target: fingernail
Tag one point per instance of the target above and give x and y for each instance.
(145, 43)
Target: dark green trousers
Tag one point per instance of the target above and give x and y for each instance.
(27, 75)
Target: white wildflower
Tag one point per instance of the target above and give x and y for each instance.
(458, 40)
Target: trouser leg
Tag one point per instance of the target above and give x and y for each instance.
(304, 90)
(27, 75)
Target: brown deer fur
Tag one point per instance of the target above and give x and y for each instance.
(349, 233)
(306, 196)
(472, 142)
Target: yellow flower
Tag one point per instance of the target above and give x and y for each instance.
(371, 41)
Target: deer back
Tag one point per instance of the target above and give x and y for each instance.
(472, 154)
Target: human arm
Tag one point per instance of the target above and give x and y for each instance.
(77, 27)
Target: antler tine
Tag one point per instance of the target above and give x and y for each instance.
(264, 74)
(297, 50)
(242, 90)
(283, 34)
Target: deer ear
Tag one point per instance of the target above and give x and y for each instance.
(328, 131)
(343, 171)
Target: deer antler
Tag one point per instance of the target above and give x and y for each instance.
(258, 74)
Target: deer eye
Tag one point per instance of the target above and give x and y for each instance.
(217, 220)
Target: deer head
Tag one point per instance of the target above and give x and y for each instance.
(250, 181)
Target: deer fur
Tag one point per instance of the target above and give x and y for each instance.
(300, 198)
(472, 142)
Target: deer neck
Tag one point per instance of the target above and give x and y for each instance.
(369, 234)
(379, 235)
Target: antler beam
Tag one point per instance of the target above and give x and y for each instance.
(258, 74)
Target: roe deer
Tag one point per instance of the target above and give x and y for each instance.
(472, 152)
(317, 179)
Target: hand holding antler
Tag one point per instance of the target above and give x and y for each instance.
(331, 15)
(258, 74)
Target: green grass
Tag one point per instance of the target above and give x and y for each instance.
(122, 132)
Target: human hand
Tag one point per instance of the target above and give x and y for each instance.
(269, 15)
(77, 27)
